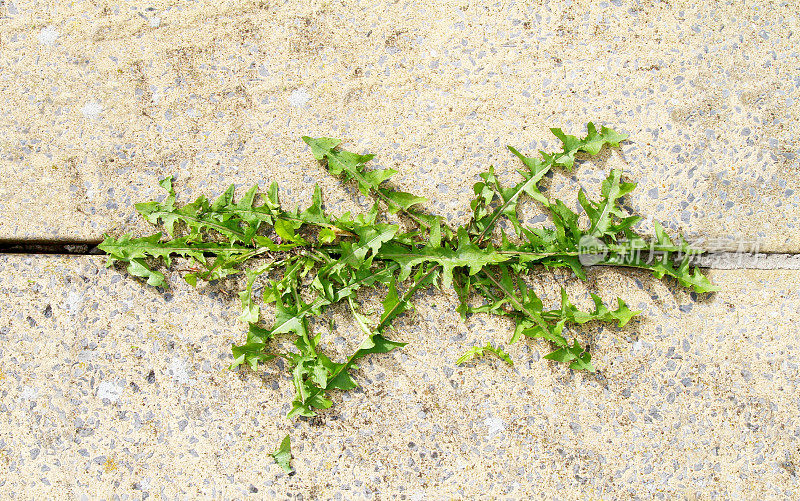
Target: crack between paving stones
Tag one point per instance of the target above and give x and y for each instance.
(714, 261)
(44, 247)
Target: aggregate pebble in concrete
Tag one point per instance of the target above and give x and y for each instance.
(102, 100)
(110, 388)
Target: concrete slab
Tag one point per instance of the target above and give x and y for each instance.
(109, 388)
(103, 99)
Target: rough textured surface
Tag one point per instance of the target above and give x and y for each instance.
(104, 98)
(108, 388)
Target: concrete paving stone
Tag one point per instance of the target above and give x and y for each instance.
(111, 389)
(101, 99)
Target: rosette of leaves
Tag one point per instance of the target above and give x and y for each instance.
(306, 261)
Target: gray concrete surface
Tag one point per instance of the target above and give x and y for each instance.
(109, 388)
(103, 99)
(747, 261)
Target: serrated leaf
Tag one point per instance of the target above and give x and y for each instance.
(602, 214)
(283, 456)
(583, 362)
(326, 236)
(568, 232)
(548, 332)
(467, 254)
(286, 230)
(307, 401)
(250, 310)
(378, 344)
(314, 213)
(373, 236)
(391, 304)
(479, 351)
(622, 315)
(347, 163)
(590, 144)
(126, 248)
(575, 355)
(376, 177)
(289, 318)
(321, 146)
(351, 166)
(138, 268)
(509, 197)
(198, 216)
(401, 200)
(394, 305)
(252, 352)
(334, 287)
(563, 355)
(341, 380)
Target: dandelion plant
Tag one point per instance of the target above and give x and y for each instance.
(306, 261)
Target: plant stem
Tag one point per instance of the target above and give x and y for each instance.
(521, 307)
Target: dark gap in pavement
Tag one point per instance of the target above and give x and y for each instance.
(717, 260)
(76, 248)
